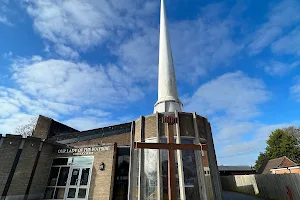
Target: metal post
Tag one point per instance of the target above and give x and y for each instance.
(141, 162)
(159, 164)
(132, 165)
(179, 160)
(200, 168)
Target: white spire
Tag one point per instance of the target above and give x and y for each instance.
(167, 89)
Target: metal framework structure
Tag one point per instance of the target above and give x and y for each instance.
(172, 147)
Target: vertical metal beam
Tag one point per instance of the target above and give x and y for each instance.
(179, 160)
(141, 187)
(214, 172)
(171, 168)
(159, 164)
(199, 164)
(132, 165)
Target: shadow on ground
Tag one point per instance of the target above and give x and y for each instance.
(238, 196)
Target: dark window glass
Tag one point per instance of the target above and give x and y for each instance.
(63, 176)
(53, 176)
(81, 193)
(49, 193)
(74, 177)
(121, 176)
(84, 176)
(59, 193)
(71, 193)
(190, 172)
(60, 161)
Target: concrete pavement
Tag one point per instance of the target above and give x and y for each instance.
(238, 196)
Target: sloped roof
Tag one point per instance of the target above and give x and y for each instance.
(235, 168)
(273, 163)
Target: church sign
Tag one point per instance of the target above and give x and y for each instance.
(170, 120)
(83, 151)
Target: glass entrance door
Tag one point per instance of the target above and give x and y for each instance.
(78, 183)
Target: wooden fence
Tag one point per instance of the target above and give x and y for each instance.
(269, 186)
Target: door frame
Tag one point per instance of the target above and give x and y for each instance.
(77, 186)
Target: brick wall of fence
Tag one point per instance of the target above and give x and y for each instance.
(269, 186)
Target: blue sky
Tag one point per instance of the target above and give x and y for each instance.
(94, 63)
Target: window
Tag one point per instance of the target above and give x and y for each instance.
(69, 177)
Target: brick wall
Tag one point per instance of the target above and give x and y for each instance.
(24, 168)
(201, 127)
(186, 124)
(205, 159)
(8, 151)
(287, 171)
(42, 127)
(40, 177)
(138, 130)
(151, 126)
(102, 181)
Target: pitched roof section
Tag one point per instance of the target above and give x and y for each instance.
(235, 168)
(275, 163)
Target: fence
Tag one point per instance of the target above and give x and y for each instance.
(269, 186)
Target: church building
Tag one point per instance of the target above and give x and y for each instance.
(169, 154)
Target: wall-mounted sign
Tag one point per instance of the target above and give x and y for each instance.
(84, 150)
(169, 120)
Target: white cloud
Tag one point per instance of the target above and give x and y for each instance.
(276, 68)
(59, 22)
(7, 55)
(8, 125)
(295, 90)
(234, 94)
(4, 20)
(281, 16)
(288, 44)
(242, 152)
(64, 51)
(66, 91)
(198, 46)
(68, 82)
(231, 102)
(86, 24)
(4, 11)
(17, 108)
(139, 55)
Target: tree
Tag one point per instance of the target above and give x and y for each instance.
(262, 157)
(294, 131)
(280, 143)
(26, 129)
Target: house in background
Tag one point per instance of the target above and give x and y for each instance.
(286, 170)
(276, 163)
(236, 170)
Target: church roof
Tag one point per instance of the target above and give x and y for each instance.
(78, 136)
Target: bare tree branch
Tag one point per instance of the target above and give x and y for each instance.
(26, 129)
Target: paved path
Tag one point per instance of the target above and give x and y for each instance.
(238, 196)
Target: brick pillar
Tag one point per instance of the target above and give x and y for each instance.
(42, 127)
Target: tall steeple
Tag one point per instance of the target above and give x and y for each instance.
(168, 100)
